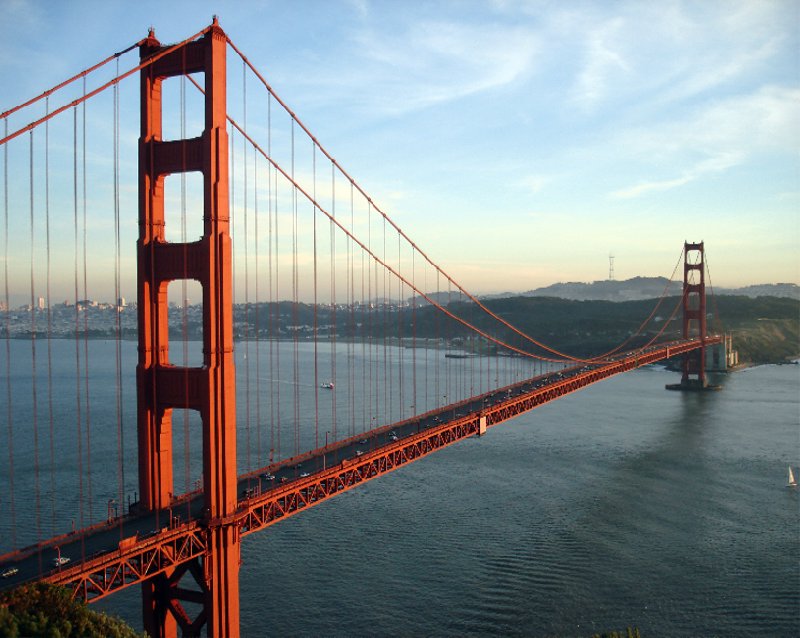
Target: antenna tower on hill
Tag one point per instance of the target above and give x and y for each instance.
(610, 267)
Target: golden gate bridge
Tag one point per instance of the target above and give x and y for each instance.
(352, 358)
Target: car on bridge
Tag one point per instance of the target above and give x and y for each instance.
(9, 572)
(58, 561)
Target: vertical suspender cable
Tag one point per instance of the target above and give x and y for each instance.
(49, 324)
(364, 336)
(316, 300)
(333, 301)
(351, 332)
(86, 320)
(259, 424)
(277, 323)
(387, 370)
(373, 406)
(400, 312)
(414, 335)
(246, 327)
(118, 316)
(295, 303)
(78, 410)
(271, 298)
(9, 394)
(448, 396)
(717, 317)
(34, 398)
(426, 405)
(438, 320)
(469, 384)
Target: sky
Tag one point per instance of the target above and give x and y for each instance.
(518, 143)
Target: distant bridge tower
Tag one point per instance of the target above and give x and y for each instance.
(694, 315)
(163, 386)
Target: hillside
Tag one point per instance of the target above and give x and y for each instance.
(642, 288)
(765, 329)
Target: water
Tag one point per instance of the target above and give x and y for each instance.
(621, 505)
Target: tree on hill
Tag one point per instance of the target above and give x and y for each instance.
(41, 609)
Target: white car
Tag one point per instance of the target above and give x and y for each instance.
(58, 561)
(10, 572)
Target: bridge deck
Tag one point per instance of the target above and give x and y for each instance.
(137, 547)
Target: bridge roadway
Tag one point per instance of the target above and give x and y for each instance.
(135, 547)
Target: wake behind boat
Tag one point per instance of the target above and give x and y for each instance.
(328, 385)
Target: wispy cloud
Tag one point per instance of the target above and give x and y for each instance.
(445, 64)
(418, 64)
(722, 135)
(661, 53)
(603, 60)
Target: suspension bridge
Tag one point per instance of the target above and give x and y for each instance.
(292, 341)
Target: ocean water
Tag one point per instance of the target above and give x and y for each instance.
(621, 505)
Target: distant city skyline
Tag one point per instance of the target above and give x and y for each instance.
(518, 143)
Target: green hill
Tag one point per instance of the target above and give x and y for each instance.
(45, 610)
(765, 329)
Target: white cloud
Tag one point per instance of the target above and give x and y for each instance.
(722, 135)
(424, 63)
(603, 61)
(648, 187)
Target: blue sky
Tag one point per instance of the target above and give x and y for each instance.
(518, 143)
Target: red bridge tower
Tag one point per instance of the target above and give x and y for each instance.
(694, 315)
(163, 386)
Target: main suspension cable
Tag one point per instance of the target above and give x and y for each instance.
(561, 355)
(86, 96)
(46, 94)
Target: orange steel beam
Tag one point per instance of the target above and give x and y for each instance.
(162, 386)
(137, 560)
(159, 554)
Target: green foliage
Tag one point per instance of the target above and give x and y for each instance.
(45, 610)
(765, 329)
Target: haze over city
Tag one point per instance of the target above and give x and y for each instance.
(518, 143)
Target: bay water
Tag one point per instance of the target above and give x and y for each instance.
(621, 505)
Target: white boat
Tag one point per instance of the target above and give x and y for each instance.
(792, 480)
(328, 385)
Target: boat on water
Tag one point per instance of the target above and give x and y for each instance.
(792, 480)
(328, 385)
